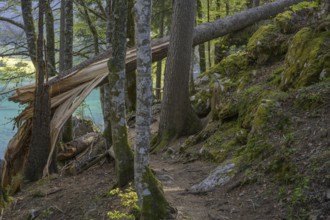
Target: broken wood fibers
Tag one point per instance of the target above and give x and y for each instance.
(66, 93)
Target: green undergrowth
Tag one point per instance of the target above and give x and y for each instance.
(128, 201)
(264, 99)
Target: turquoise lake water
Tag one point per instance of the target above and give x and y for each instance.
(8, 110)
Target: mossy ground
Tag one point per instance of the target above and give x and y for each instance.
(273, 120)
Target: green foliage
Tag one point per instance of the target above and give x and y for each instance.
(224, 142)
(15, 70)
(128, 199)
(303, 5)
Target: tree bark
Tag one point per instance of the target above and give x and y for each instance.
(67, 52)
(177, 116)
(31, 38)
(151, 199)
(50, 43)
(116, 64)
(105, 89)
(201, 47)
(217, 46)
(40, 143)
(130, 83)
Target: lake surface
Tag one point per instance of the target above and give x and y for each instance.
(91, 109)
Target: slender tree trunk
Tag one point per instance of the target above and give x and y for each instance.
(201, 47)
(50, 60)
(177, 116)
(151, 199)
(123, 154)
(91, 26)
(26, 6)
(160, 63)
(130, 76)
(40, 143)
(105, 89)
(62, 38)
(209, 42)
(50, 43)
(217, 46)
(67, 134)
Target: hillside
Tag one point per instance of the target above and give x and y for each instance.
(264, 153)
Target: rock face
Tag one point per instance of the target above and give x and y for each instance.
(218, 177)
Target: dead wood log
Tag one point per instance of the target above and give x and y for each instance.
(77, 146)
(94, 154)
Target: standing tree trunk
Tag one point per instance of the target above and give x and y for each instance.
(26, 6)
(217, 46)
(151, 199)
(50, 60)
(50, 43)
(66, 54)
(123, 153)
(201, 47)
(177, 116)
(130, 82)
(160, 63)
(105, 89)
(209, 42)
(40, 143)
(91, 26)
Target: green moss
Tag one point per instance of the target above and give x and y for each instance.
(307, 59)
(256, 149)
(262, 113)
(224, 142)
(154, 206)
(303, 5)
(201, 102)
(283, 21)
(231, 65)
(248, 104)
(267, 44)
(308, 101)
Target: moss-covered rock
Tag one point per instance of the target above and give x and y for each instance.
(307, 60)
(267, 44)
(223, 143)
(232, 64)
(201, 102)
(284, 21)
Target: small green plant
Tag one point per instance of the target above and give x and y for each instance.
(128, 199)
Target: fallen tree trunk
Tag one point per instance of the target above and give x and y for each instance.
(68, 92)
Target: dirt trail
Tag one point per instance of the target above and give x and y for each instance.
(83, 196)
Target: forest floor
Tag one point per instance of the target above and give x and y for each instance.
(86, 196)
